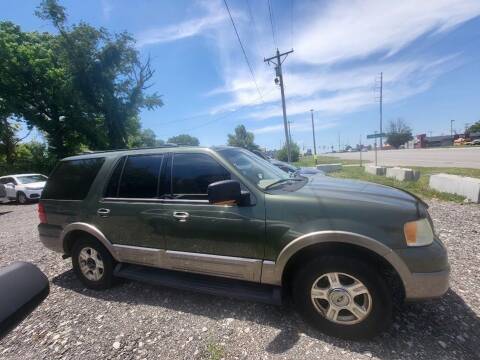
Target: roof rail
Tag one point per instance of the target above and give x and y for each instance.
(166, 145)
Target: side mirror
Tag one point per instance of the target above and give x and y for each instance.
(226, 192)
(22, 288)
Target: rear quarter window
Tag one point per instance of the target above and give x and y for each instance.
(71, 180)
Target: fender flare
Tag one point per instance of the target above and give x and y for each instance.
(272, 272)
(92, 230)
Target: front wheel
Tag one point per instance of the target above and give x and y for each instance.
(92, 264)
(343, 297)
(22, 198)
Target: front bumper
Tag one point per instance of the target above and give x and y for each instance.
(33, 194)
(50, 237)
(423, 286)
(426, 271)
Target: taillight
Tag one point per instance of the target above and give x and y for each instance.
(42, 215)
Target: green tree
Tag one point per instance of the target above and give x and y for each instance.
(282, 154)
(184, 139)
(474, 128)
(107, 71)
(242, 138)
(35, 85)
(145, 138)
(398, 133)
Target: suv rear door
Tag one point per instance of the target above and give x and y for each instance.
(129, 210)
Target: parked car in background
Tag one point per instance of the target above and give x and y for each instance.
(23, 187)
(289, 168)
(3, 194)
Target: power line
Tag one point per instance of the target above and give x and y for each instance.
(291, 22)
(272, 23)
(243, 50)
(221, 117)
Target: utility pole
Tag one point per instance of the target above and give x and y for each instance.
(379, 88)
(338, 142)
(279, 81)
(451, 129)
(289, 131)
(314, 143)
(381, 108)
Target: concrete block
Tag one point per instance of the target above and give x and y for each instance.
(403, 174)
(454, 184)
(327, 168)
(376, 170)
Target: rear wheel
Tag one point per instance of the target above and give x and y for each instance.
(92, 264)
(343, 297)
(22, 198)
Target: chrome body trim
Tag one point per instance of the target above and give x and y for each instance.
(216, 265)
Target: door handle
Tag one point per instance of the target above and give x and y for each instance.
(181, 216)
(103, 212)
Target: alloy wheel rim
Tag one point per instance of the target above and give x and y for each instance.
(91, 264)
(341, 298)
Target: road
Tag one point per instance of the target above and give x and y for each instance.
(138, 321)
(468, 157)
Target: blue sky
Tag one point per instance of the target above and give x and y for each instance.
(428, 52)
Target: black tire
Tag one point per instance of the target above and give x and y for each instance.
(106, 280)
(380, 315)
(22, 198)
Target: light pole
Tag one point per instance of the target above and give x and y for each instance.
(314, 143)
(451, 129)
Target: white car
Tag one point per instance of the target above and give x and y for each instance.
(23, 187)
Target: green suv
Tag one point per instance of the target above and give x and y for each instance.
(224, 221)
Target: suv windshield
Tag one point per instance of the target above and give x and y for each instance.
(257, 170)
(31, 179)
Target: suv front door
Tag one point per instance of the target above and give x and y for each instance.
(210, 238)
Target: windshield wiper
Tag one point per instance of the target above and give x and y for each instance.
(281, 181)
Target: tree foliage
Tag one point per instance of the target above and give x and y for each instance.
(184, 139)
(282, 154)
(474, 128)
(242, 138)
(107, 71)
(398, 133)
(83, 88)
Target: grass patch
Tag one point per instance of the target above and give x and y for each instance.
(214, 351)
(419, 187)
(322, 159)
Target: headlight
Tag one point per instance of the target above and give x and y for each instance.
(30, 188)
(418, 233)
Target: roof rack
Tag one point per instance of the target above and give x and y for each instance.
(166, 145)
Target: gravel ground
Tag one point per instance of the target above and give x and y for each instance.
(138, 321)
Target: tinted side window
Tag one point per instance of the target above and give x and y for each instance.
(72, 179)
(112, 187)
(192, 173)
(140, 176)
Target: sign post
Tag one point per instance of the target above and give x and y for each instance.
(375, 136)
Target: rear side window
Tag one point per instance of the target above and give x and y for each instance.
(192, 173)
(72, 179)
(140, 176)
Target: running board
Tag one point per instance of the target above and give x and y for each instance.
(211, 285)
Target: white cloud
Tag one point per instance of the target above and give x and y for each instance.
(213, 17)
(344, 30)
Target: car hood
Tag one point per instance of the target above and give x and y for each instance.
(35, 185)
(329, 187)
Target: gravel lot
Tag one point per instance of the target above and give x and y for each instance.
(138, 321)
